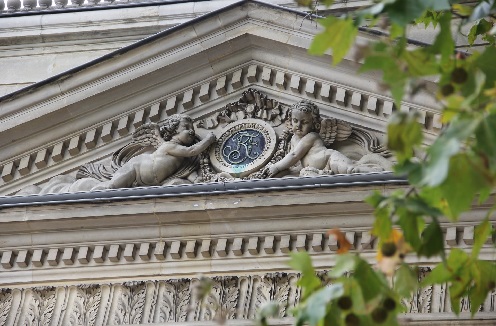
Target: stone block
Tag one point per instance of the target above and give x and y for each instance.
(22, 258)
(267, 76)
(175, 249)
(74, 145)
(468, 235)
(372, 105)
(83, 256)
(68, 256)
(190, 249)
(280, 80)
(155, 112)
(237, 79)
(138, 118)
(387, 108)
(24, 165)
(310, 88)
(205, 248)
(107, 132)
(356, 101)
(7, 261)
(251, 74)
(188, 99)
(301, 242)
(237, 247)
(221, 86)
(160, 249)
(367, 240)
(53, 256)
(99, 254)
(204, 92)
(317, 242)
(41, 158)
(38, 257)
(171, 106)
(341, 96)
(123, 126)
(90, 139)
(285, 244)
(58, 152)
(295, 84)
(269, 244)
(114, 253)
(253, 243)
(8, 171)
(326, 92)
(350, 236)
(145, 251)
(451, 237)
(221, 247)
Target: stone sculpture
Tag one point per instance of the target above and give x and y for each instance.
(173, 142)
(308, 152)
(169, 153)
(159, 154)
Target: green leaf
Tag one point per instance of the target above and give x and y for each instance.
(316, 304)
(481, 233)
(432, 240)
(344, 264)
(485, 135)
(404, 133)
(339, 35)
(382, 223)
(445, 146)
(464, 181)
(484, 278)
(405, 281)
(301, 261)
(439, 275)
(480, 28)
(369, 281)
(410, 226)
(402, 12)
(421, 63)
(444, 43)
(485, 62)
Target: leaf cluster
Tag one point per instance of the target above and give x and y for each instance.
(446, 177)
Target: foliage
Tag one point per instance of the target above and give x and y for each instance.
(445, 178)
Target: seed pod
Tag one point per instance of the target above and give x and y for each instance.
(459, 75)
(388, 249)
(447, 89)
(345, 303)
(389, 304)
(379, 315)
(352, 320)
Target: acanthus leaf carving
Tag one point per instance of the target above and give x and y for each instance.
(5, 305)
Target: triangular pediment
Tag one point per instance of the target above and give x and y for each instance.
(197, 68)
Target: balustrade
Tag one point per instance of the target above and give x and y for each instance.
(14, 6)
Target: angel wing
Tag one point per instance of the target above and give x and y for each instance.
(332, 130)
(148, 135)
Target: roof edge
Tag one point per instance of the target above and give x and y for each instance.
(214, 188)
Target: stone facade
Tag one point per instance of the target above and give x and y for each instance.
(134, 256)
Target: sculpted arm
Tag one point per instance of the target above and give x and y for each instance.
(188, 151)
(295, 155)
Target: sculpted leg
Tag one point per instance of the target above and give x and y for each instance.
(124, 177)
(339, 163)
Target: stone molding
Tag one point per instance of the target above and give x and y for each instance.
(176, 300)
(200, 250)
(344, 100)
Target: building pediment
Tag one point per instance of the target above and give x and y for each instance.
(197, 68)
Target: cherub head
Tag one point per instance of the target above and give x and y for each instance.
(179, 127)
(304, 117)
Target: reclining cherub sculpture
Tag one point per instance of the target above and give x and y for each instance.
(174, 142)
(308, 146)
(157, 155)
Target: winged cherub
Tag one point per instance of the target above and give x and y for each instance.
(311, 134)
(174, 141)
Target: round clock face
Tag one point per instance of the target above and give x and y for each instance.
(243, 147)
